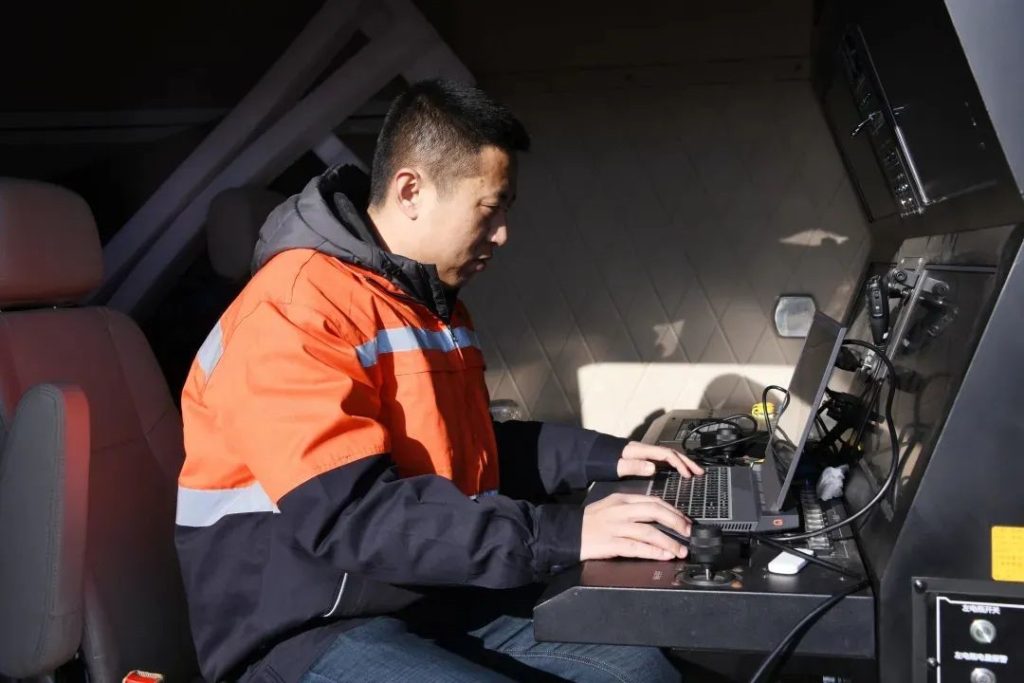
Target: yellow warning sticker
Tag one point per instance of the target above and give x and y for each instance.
(1008, 553)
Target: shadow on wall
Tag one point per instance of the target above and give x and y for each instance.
(640, 431)
(725, 392)
(625, 398)
(716, 397)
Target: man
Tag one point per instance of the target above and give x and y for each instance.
(347, 511)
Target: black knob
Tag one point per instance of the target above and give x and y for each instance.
(705, 543)
(877, 296)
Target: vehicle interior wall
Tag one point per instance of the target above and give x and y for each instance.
(681, 177)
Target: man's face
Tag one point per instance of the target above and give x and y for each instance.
(470, 221)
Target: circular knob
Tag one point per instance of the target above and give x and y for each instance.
(983, 631)
(980, 675)
(705, 543)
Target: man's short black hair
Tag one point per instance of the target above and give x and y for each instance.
(441, 126)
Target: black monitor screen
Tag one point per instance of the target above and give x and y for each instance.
(806, 388)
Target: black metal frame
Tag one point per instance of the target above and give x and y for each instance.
(925, 590)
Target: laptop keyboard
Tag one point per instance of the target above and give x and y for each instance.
(703, 497)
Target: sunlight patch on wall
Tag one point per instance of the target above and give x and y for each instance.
(813, 238)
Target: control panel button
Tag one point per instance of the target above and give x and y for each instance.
(980, 675)
(983, 631)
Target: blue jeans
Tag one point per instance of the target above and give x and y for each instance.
(389, 650)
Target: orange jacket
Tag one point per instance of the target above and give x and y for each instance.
(321, 373)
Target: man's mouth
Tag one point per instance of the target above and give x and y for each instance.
(478, 263)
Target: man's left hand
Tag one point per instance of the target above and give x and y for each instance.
(641, 460)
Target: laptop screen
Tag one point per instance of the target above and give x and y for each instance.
(806, 389)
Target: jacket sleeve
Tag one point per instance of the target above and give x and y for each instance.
(539, 458)
(301, 410)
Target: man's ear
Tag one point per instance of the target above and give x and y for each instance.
(408, 189)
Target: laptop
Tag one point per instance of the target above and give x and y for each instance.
(741, 498)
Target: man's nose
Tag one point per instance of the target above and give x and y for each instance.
(500, 235)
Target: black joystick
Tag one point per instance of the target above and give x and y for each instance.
(705, 547)
(705, 543)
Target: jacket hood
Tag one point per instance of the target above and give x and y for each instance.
(326, 218)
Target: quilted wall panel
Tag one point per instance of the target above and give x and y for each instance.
(653, 231)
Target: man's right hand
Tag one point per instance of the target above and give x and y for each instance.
(618, 526)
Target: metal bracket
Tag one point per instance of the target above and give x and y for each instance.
(268, 130)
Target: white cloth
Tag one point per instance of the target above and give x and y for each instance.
(830, 483)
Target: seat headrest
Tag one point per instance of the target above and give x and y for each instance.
(50, 249)
(233, 226)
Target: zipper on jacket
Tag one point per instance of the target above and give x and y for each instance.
(404, 297)
(337, 600)
(393, 272)
(455, 342)
(401, 297)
